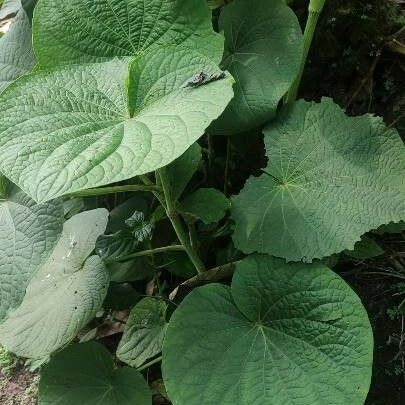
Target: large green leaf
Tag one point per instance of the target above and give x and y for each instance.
(144, 332)
(85, 374)
(65, 293)
(28, 233)
(263, 51)
(291, 334)
(330, 179)
(93, 31)
(70, 129)
(16, 55)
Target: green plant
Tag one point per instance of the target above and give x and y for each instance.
(8, 362)
(110, 204)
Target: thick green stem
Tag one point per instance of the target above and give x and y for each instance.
(149, 252)
(145, 179)
(176, 222)
(115, 189)
(314, 10)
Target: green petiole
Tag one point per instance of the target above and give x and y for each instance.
(314, 11)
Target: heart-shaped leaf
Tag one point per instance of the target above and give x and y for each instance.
(28, 234)
(16, 55)
(263, 51)
(71, 129)
(144, 333)
(283, 333)
(94, 31)
(84, 374)
(65, 293)
(330, 179)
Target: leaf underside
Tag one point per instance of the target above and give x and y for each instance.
(28, 233)
(64, 295)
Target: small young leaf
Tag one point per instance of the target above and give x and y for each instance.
(144, 333)
(207, 204)
(129, 229)
(330, 179)
(282, 332)
(263, 51)
(28, 234)
(16, 55)
(64, 295)
(71, 31)
(367, 248)
(140, 228)
(92, 137)
(85, 374)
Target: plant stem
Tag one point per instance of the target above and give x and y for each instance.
(176, 222)
(145, 179)
(150, 363)
(209, 276)
(114, 189)
(149, 252)
(314, 10)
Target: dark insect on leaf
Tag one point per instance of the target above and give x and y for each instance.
(202, 78)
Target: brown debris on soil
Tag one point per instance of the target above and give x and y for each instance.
(19, 388)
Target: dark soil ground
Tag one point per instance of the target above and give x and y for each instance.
(19, 388)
